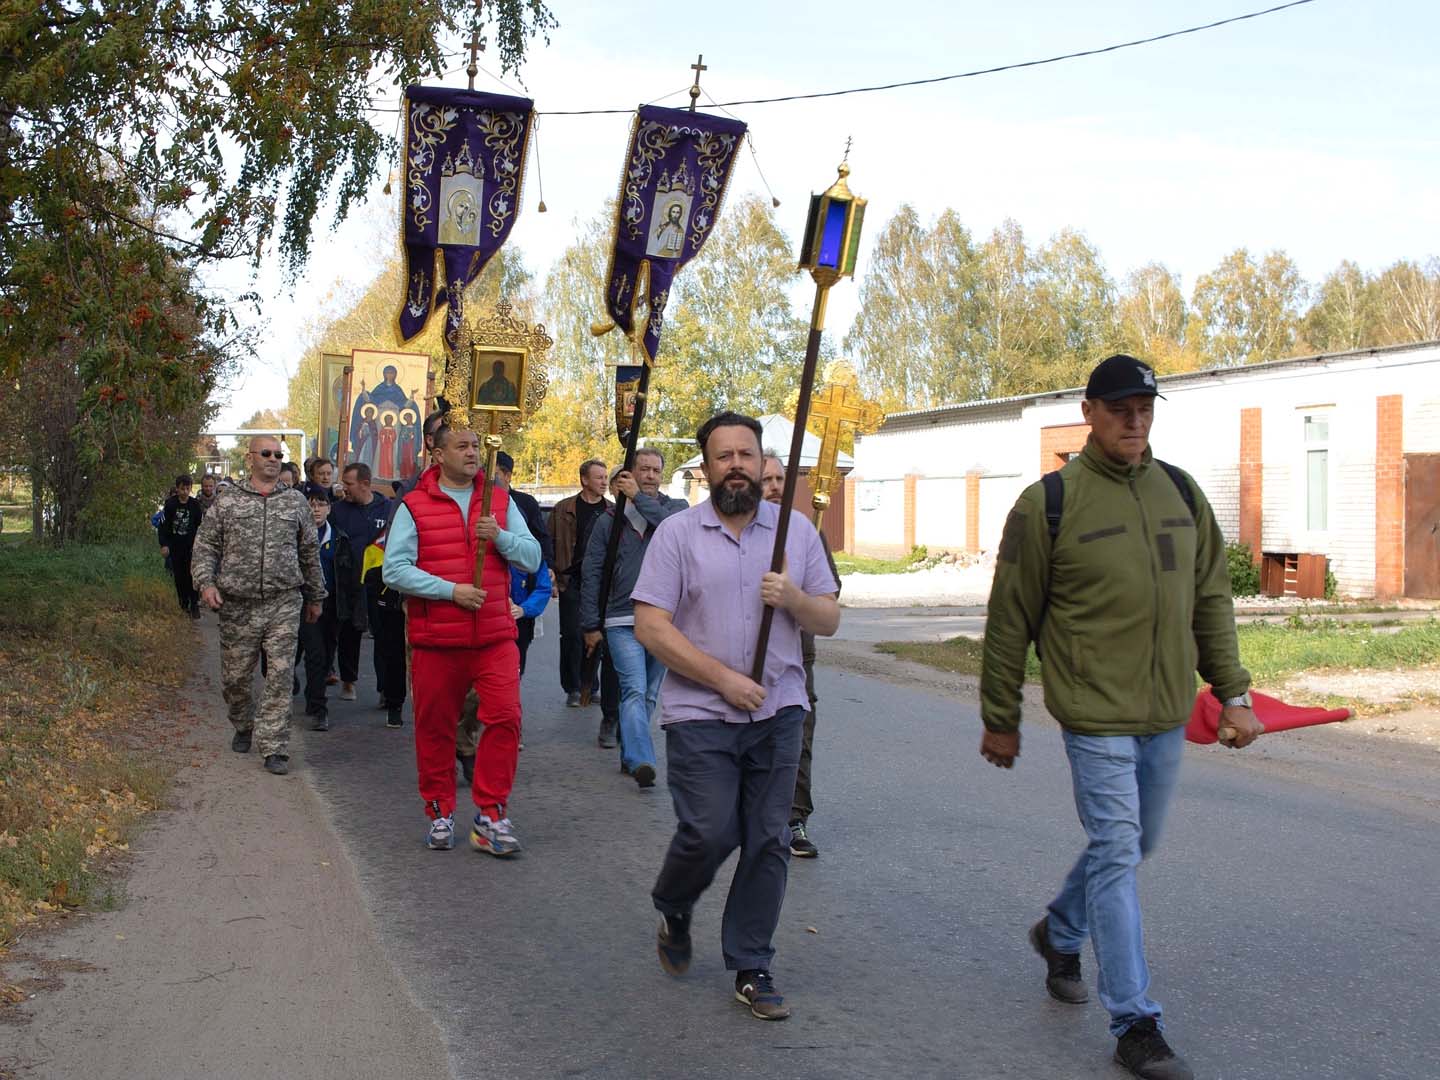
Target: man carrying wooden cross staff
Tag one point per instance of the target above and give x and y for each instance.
(461, 633)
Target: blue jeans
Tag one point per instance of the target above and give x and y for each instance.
(640, 675)
(1122, 786)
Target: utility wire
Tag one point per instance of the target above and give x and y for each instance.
(979, 71)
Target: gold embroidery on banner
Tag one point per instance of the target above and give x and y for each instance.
(429, 127)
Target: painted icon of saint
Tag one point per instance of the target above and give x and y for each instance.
(462, 215)
(670, 233)
(497, 390)
(367, 443)
(408, 448)
(386, 441)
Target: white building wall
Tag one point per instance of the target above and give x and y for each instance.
(1198, 428)
(940, 512)
(997, 496)
(1422, 423)
(880, 513)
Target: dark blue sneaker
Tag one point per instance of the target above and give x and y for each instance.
(757, 989)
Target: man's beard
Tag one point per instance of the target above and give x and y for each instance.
(730, 501)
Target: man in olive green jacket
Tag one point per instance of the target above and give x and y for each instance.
(1127, 600)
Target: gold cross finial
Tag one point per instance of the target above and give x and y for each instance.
(474, 46)
(698, 66)
(837, 405)
(848, 141)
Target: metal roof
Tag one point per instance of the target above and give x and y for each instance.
(778, 431)
(918, 417)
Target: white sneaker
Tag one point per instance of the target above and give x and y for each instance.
(347, 691)
(496, 837)
(442, 834)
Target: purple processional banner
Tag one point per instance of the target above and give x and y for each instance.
(677, 167)
(464, 167)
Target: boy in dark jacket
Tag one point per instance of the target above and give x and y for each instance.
(344, 604)
(179, 522)
(389, 631)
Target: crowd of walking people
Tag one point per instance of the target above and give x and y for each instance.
(450, 572)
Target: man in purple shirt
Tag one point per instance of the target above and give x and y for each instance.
(732, 745)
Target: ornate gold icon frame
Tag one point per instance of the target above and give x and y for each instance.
(520, 350)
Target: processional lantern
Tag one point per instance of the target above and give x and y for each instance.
(829, 251)
(832, 232)
(495, 381)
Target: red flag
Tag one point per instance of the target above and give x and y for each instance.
(1204, 726)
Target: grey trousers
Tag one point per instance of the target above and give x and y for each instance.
(732, 785)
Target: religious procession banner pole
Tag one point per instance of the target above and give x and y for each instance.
(465, 155)
(828, 250)
(344, 438)
(677, 167)
(495, 381)
(492, 443)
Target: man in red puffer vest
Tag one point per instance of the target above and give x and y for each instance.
(461, 636)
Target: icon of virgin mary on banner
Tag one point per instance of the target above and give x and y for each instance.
(464, 167)
(677, 167)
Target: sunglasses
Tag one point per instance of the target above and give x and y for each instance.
(271, 453)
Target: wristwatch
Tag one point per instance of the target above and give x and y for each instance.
(1242, 700)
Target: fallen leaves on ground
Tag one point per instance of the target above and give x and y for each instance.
(87, 728)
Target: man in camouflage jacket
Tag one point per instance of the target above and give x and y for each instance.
(256, 558)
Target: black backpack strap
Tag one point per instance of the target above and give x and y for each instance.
(1054, 501)
(1178, 478)
(1054, 506)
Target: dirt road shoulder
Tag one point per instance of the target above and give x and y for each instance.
(243, 950)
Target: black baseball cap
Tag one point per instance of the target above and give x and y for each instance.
(504, 461)
(314, 491)
(1121, 376)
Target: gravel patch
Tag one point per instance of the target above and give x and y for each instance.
(942, 585)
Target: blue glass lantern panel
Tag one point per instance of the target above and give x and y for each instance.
(832, 237)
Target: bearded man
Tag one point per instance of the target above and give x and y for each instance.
(732, 745)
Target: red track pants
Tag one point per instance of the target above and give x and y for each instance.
(440, 679)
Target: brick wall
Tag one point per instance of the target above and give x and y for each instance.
(1058, 441)
(1389, 496)
(972, 511)
(1252, 482)
(910, 480)
(1221, 485)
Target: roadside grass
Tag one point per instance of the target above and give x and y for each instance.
(1269, 650)
(861, 564)
(91, 643)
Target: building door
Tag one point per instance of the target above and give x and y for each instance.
(1422, 526)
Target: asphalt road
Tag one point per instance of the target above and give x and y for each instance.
(1290, 909)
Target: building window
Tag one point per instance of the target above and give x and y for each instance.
(1317, 472)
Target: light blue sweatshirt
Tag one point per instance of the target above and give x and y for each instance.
(516, 545)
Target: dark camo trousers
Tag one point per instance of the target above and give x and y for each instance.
(247, 626)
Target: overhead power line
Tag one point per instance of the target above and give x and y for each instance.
(944, 78)
(977, 72)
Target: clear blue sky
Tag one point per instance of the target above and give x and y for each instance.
(1312, 130)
